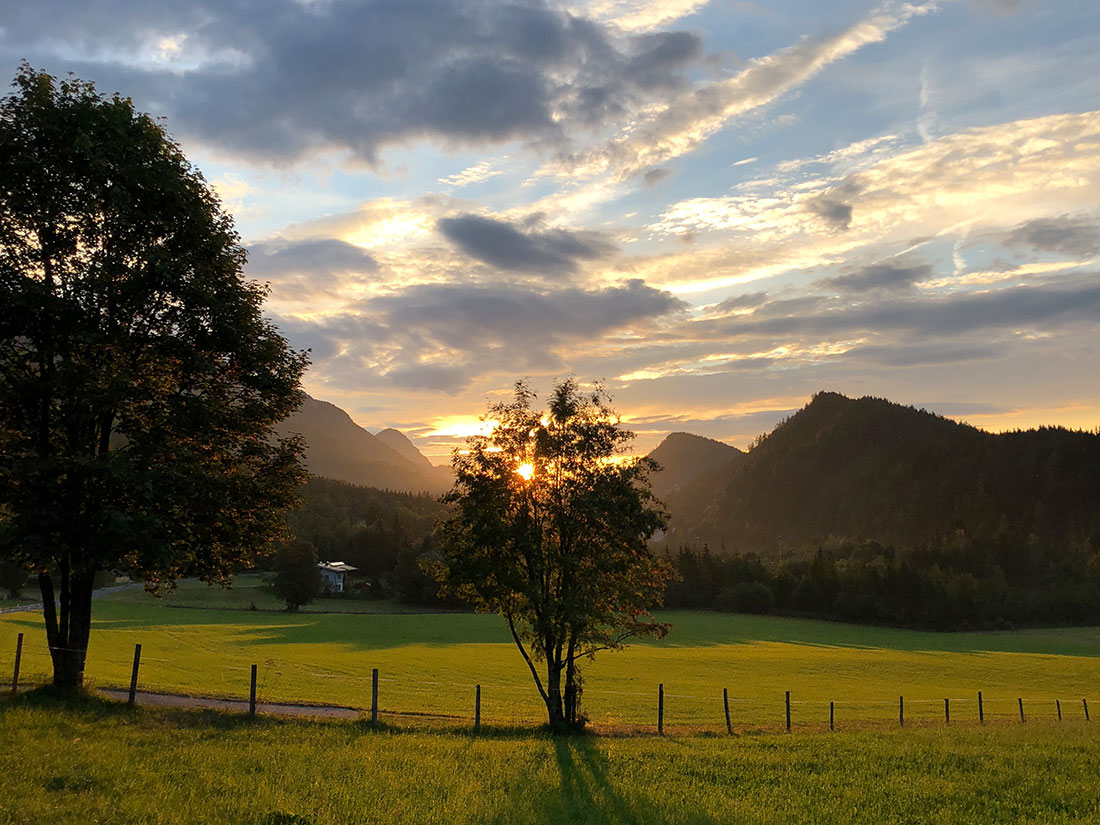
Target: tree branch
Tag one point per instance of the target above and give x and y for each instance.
(526, 658)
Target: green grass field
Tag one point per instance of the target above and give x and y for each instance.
(429, 664)
(102, 763)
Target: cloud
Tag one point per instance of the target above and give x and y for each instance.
(904, 354)
(1068, 235)
(472, 174)
(888, 276)
(640, 15)
(443, 336)
(989, 182)
(655, 176)
(536, 250)
(302, 268)
(1072, 301)
(327, 255)
(735, 303)
(356, 77)
(836, 214)
(691, 118)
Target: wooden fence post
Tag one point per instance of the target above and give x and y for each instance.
(981, 710)
(946, 711)
(477, 709)
(901, 711)
(831, 716)
(18, 659)
(726, 704)
(1058, 705)
(788, 711)
(134, 676)
(1085, 702)
(252, 694)
(374, 696)
(661, 708)
(1020, 700)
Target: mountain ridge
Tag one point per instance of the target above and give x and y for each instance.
(870, 469)
(338, 448)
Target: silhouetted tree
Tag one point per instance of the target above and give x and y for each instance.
(139, 381)
(551, 531)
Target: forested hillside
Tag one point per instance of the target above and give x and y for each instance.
(382, 533)
(864, 510)
(868, 469)
(685, 458)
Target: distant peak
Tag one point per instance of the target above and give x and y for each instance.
(682, 438)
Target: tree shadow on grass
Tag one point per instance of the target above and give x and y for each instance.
(589, 792)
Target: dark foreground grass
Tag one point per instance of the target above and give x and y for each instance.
(99, 762)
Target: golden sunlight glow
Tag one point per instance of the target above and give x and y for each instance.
(462, 426)
(525, 471)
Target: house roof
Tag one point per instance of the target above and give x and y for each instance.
(336, 567)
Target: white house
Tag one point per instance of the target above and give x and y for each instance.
(333, 574)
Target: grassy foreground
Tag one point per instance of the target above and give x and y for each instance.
(102, 763)
(430, 663)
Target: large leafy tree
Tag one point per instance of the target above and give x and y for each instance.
(550, 530)
(139, 382)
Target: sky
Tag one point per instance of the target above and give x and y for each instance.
(716, 209)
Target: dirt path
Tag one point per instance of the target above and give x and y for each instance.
(103, 591)
(275, 708)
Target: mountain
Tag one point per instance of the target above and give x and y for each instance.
(400, 444)
(869, 469)
(338, 448)
(684, 458)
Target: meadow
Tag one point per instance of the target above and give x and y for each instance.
(429, 664)
(100, 762)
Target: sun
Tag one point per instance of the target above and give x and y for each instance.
(525, 471)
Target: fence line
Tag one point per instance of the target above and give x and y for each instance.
(395, 696)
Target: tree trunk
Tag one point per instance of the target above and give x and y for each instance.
(68, 626)
(571, 684)
(554, 707)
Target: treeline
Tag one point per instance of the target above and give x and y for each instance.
(383, 533)
(954, 582)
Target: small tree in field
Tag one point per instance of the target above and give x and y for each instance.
(139, 382)
(297, 579)
(550, 530)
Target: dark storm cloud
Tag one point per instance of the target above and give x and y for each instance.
(279, 80)
(540, 251)
(1068, 235)
(881, 276)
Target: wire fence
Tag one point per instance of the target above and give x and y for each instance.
(278, 685)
